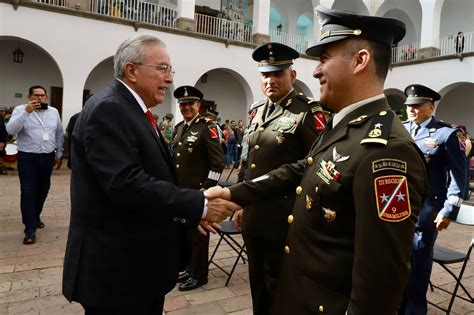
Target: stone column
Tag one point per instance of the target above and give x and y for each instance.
(261, 21)
(186, 19)
(430, 26)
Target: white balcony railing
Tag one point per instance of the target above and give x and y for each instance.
(136, 10)
(300, 43)
(223, 28)
(405, 52)
(449, 45)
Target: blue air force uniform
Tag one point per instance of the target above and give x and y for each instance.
(440, 146)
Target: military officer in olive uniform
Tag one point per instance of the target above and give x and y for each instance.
(199, 162)
(358, 191)
(281, 129)
(446, 164)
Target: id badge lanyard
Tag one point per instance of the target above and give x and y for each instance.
(44, 134)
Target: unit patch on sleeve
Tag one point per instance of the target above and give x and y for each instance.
(393, 201)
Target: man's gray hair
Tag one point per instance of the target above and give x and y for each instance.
(132, 50)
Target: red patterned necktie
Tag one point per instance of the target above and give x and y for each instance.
(152, 120)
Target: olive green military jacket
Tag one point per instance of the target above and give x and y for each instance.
(198, 154)
(359, 192)
(285, 137)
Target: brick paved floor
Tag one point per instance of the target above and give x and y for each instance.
(30, 276)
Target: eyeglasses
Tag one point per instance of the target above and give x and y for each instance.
(163, 67)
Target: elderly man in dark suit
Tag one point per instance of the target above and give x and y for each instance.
(446, 164)
(126, 231)
(359, 189)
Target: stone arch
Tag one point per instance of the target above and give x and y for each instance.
(232, 99)
(411, 36)
(456, 16)
(354, 6)
(39, 67)
(457, 104)
(412, 16)
(396, 100)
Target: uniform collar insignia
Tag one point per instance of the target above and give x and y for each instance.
(358, 119)
(337, 157)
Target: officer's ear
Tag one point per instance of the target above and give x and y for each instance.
(129, 72)
(361, 60)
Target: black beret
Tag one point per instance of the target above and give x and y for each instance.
(187, 94)
(338, 25)
(274, 57)
(419, 94)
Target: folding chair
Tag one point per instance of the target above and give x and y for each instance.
(445, 256)
(228, 230)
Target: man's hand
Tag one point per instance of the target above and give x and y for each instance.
(219, 209)
(238, 218)
(441, 222)
(205, 226)
(59, 162)
(217, 192)
(32, 106)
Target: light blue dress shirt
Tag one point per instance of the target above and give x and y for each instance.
(37, 132)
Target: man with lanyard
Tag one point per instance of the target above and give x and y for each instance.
(199, 160)
(40, 138)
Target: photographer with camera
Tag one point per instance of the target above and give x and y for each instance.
(40, 138)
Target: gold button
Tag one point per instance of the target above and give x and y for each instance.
(180, 143)
(290, 219)
(299, 190)
(177, 165)
(178, 154)
(261, 129)
(252, 165)
(316, 189)
(287, 249)
(310, 161)
(321, 308)
(257, 147)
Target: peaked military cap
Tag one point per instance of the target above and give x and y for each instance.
(169, 116)
(187, 94)
(338, 25)
(274, 57)
(419, 94)
(212, 112)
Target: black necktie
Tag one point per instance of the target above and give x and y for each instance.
(329, 124)
(415, 130)
(270, 109)
(185, 127)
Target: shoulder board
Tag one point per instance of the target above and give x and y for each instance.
(406, 121)
(179, 124)
(257, 104)
(306, 99)
(379, 128)
(444, 124)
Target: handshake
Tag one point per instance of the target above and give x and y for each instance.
(219, 207)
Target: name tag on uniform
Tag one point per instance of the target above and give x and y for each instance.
(45, 136)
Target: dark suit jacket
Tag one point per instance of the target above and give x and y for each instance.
(349, 238)
(69, 130)
(126, 225)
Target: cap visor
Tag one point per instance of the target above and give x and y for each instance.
(273, 68)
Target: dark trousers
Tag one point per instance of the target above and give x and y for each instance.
(198, 267)
(34, 171)
(265, 262)
(154, 307)
(414, 300)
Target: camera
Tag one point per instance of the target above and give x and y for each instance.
(44, 106)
